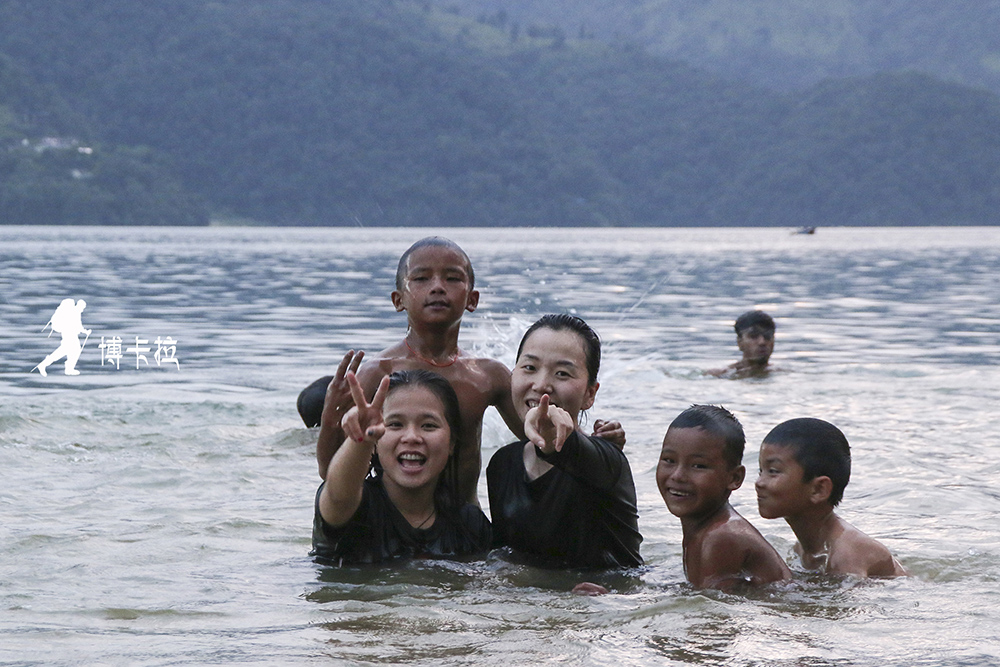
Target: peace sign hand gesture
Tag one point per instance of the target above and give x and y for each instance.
(363, 423)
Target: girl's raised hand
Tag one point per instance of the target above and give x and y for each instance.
(547, 426)
(363, 422)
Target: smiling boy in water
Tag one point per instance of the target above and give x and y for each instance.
(805, 465)
(435, 286)
(699, 468)
(755, 338)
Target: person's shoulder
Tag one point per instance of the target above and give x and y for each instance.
(506, 454)
(492, 368)
(854, 552)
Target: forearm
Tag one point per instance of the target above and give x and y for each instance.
(592, 460)
(344, 481)
(331, 435)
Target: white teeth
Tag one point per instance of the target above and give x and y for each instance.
(412, 457)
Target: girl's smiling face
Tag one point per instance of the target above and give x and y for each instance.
(417, 442)
(552, 362)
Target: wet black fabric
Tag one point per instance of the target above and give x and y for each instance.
(581, 513)
(378, 532)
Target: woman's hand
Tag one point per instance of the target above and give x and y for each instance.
(547, 426)
(363, 423)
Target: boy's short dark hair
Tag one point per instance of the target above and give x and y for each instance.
(819, 447)
(439, 241)
(754, 318)
(718, 421)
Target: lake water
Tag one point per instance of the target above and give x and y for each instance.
(161, 515)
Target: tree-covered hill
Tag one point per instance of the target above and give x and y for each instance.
(783, 43)
(391, 112)
(52, 173)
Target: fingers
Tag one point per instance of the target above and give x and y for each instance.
(351, 362)
(543, 407)
(611, 431)
(590, 589)
(357, 393)
(351, 425)
(562, 432)
(380, 393)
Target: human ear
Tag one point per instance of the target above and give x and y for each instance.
(588, 398)
(397, 300)
(738, 474)
(473, 301)
(821, 489)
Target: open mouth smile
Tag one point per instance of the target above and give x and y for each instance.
(411, 460)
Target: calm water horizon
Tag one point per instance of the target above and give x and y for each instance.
(161, 515)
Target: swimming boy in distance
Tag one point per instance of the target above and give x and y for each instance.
(435, 286)
(699, 468)
(755, 338)
(805, 465)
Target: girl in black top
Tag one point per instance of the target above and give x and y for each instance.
(562, 498)
(407, 506)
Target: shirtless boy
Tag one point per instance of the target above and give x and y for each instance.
(755, 338)
(805, 465)
(699, 468)
(435, 286)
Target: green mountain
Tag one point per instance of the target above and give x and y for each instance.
(391, 112)
(783, 43)
(52, 172)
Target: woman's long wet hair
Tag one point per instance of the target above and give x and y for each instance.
(446, 493)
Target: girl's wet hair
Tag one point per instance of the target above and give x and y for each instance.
(718, 421)
(819, 447)
(565, 322)
(446, 494)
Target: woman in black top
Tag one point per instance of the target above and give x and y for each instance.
(389, 490)
(561, 498)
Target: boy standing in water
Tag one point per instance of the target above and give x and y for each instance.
(805, 465)
(755, 338)
(435, 286)
(699, 468)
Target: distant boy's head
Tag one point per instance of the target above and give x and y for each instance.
(700, 463)
(429, 242)
(819, 447)
(755, 336)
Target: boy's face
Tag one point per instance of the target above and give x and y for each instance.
(756, 343)
(693, 476)
(436, 286)
(781, 491)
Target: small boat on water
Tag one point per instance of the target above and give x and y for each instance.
(805, 230)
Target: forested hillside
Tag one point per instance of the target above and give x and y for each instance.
(383, 112)
(782, 43)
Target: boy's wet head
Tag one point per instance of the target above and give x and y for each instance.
(755, 319)
(718, 421)
(819, 447)
(432, 241)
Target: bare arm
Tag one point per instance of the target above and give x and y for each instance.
(504, 402)
(345, 477)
